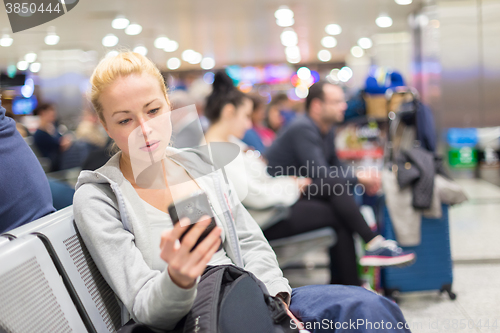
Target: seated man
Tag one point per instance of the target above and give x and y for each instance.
(48, 141)
(24, 190)
(306, 148)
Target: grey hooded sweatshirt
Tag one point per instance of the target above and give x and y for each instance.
(114, 225)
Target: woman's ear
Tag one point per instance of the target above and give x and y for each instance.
(227, 112)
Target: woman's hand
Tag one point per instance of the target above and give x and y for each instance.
(291, 315)
(184, 266)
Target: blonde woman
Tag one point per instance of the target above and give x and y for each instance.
(130, 236)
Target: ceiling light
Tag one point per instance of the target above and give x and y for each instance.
(35, 67)
(328, 42)
(112, 53)
(142, 50)
(285, 22)
(344, 74)
(304, 73)
(173, 63)
(110, 40)
(171, 46)
(120, 22)
(30, 57)
(207, 63)
(383, 21)
(301, 91)
(196, 58)
(365, 42)
(403, 2)
(357, 51)
(324, 55)
(161, 42)
(283, 13)
(6, 41)
(187, 55)
(133, 29)
(289, 37)
(333, 29)
(28, 88)
(293, 60)
(51, 38)
(22, 65)
(292, 52)
(334, 75)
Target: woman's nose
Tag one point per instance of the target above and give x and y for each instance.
(145, 128)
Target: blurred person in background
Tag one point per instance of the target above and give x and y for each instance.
(274, 119)
(24, 190)
(306, 148)
(230, 118)
(47, 139)
(186, 126)
(199, 90)
(259, 137)
(20, 127)
(90, 131)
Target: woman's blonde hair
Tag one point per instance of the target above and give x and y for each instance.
(121, 65)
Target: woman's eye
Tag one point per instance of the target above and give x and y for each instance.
(154, 111)
(123, 122)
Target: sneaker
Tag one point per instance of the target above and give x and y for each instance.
(388, 253)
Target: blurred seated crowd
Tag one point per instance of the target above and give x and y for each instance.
(281, 144)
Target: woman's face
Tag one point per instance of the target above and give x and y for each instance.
(137, 117)
(259, 115)
(274, 118)
(241, 120)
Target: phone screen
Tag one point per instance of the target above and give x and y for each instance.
(193, 208)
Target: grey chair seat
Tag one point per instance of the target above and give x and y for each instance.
(292, 249)
(33, 296)
(95, 299)
(31, 227)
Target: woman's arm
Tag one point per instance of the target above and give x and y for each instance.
(149, 295)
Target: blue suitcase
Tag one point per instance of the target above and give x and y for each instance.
(432, 269)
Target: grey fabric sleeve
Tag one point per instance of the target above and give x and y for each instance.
(150, 296)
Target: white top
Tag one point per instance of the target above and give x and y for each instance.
(159, 222)
(255, 187)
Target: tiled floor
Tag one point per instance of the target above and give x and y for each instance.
(475, 234)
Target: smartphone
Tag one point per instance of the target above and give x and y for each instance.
(193, 208)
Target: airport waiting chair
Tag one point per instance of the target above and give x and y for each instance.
(33, 297)
(31, 227)
(290, 250)
(96, 301)
(4, 240)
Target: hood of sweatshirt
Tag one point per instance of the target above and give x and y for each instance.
(198, 165)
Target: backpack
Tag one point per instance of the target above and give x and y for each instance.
(230, 299)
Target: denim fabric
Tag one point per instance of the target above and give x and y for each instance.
(337, 308)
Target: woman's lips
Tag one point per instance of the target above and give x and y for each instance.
(150, 146)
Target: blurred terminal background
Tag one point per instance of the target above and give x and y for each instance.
(448, 51)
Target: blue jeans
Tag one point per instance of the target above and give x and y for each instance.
(337, 308)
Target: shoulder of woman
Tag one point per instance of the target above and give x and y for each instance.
(91, 193)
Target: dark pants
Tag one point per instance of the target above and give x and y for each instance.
(329, 203)
(334, 308)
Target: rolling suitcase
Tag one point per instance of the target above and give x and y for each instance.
(432, 269)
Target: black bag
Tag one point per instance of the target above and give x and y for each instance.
(230, 299)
